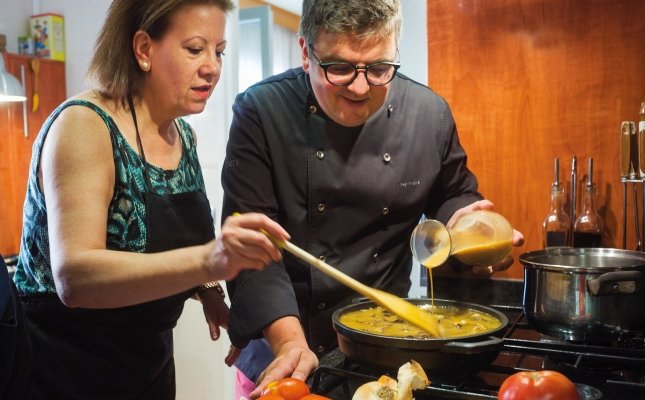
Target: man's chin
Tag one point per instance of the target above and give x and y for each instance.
(350, 122)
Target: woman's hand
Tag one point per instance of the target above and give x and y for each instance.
(215, 311)
(242, 245)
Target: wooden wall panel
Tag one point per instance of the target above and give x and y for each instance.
(9, 217)
(15, 149)
(532, 80)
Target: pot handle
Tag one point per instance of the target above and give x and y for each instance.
(490, 343)
(358, 300)
(617, 282)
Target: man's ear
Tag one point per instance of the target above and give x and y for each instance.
(304, 50)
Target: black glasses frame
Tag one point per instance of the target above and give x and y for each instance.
(357, 69)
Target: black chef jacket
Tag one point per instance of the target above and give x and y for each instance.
(351, 196)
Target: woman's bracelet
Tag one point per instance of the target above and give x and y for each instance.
(212, 285)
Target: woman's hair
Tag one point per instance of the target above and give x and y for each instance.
(114, 69)
(359, 17)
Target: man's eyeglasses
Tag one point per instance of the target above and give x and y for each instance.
(343, 73)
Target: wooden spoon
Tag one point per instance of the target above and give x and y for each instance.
(398, 306)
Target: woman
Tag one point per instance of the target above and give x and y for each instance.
(118, 231)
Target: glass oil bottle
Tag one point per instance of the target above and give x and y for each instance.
(556, 228)
(587, 230)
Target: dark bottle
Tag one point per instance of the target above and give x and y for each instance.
(587, 230)
(556, 228)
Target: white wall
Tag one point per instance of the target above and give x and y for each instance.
(14, 21)
(414, 63)
(201, 372)
(83, 20)
(414, 46)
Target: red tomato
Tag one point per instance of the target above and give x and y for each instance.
(288, 388)
(314, 397)
(537, 385)
(271, 397)
(271, 388)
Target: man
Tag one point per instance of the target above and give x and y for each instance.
(347, 155)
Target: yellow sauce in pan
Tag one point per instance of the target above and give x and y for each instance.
(453, 322)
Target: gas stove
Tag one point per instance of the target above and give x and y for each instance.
(608, 372)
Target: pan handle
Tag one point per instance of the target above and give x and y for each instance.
(616, 282)
(490, 343)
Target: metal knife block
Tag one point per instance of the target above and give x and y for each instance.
(632, 171)
(639, 218)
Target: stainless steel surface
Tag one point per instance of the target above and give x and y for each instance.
(625, 149)
(633, 137)
(638, 217)
(641, 141)
(556, 172)
(637, 228)
(25, 125)
(585, 295)
(574, 186)
(625, 152)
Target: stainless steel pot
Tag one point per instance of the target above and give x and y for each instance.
(592, 295)
(438, 355)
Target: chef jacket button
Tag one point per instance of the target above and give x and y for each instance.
(387, 157)
(321, 207)
(321, 349)
(312, 109)
(385, 211)
(320, 154)
(321, 306)
(322, 258)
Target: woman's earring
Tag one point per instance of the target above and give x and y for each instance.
(145, 66)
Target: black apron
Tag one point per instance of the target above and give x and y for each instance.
(122, 353)
(15, 351)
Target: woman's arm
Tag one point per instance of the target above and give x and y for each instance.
(77, 179)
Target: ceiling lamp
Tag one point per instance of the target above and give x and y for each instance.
(10, 87)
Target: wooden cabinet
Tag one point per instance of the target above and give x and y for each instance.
(533, 80)
(15, 143)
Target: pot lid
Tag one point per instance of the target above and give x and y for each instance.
(568, 259)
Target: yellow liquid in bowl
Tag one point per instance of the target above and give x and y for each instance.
(453, 322)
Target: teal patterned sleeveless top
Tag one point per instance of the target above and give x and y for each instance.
(126, 229)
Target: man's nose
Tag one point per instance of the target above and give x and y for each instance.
(360, 84)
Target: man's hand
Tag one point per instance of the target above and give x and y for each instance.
(293, 358)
